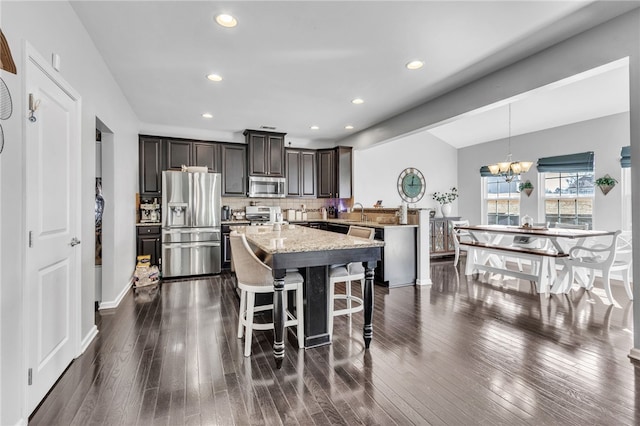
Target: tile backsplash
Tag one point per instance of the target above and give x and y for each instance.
(312, 206)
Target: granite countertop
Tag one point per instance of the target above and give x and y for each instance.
(148, 224)
(295, 239)
(369, 224)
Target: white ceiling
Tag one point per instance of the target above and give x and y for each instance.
(294, 64)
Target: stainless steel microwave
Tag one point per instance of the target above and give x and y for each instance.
(266, 187)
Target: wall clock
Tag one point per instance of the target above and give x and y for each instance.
(411, 185)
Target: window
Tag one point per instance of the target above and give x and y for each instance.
(502, 200)
(569, 197)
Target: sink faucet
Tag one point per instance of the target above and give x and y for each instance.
(361, 211)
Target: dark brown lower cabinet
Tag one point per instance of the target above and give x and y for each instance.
(149, 242)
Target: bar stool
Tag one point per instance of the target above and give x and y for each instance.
(253, 277)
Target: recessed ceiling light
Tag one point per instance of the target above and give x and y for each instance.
(315, 128)
(348, 127)
(227, 21)
(214, 77)
(415, 65)
(357, 101)
(207, 115)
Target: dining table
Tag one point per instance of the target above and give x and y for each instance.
(312, 252)
(488, 240)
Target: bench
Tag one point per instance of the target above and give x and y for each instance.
(479, 254)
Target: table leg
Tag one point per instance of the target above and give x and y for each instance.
(278, 316)
(368, 302)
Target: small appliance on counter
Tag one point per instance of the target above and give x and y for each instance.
(263, 215)
(226, 213)
(150, 211)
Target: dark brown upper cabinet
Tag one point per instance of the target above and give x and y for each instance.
(334, 172)
(192, 153)
(150, 166)
(266, 153)
(234, 170)
(301, 172)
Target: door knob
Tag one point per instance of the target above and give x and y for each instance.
(74, 242)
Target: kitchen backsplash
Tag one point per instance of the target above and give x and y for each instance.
(312, 206)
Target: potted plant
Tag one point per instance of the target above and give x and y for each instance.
(606, 183)
(526, 187)
(445, 199)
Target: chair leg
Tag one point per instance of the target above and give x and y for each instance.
(332, 292)
(300, 316)
(455, 259)
(607, 287)
(248, 335)
(626, 277)
(241, 313)
(347, 288)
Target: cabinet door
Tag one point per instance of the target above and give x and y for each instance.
(325, 173)
(258, 149)
(150, 166)
(292, 161)
(234, 170)
(275, 155)
(178, 154)
(206, 154)
(308, 173)
(150, 244)
(343, 171)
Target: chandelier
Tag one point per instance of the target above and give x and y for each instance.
(509, 169)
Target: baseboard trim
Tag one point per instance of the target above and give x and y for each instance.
(114, 304)
(420, 282)
(88, 339)
(634, 355)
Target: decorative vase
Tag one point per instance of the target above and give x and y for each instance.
(606, 188)
(446, 209)
(528, 191)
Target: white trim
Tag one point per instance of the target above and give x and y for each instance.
(88, 339)
(634, 354)
(114, 303)
(626, 186)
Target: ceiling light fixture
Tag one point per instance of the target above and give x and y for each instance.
(314, 128)
(357, 101)
(226, 20)
(415, 65)
(214, 77)
(348, 127)
(207, 115)
(509, 169)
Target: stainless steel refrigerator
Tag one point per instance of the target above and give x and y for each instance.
(191, 210)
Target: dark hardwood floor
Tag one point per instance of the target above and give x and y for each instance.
(460, 352)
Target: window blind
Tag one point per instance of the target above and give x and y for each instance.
(625, 156)
(485, 172)
(581, 162)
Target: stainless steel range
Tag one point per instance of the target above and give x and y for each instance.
(263, 215)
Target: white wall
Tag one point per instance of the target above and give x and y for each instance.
(604, 136)
(376, 169)
(53, 27)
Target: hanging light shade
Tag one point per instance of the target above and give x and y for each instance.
(510, 169)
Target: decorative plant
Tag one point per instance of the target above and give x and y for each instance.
(606, 183)
(525, 185)
(446, 197)
(606, 180)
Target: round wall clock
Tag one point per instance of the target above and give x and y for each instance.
(411, 185)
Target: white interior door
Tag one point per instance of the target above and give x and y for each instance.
(52, 260)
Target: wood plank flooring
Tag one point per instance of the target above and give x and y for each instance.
(460, 352)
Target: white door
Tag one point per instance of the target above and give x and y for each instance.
(52, 260)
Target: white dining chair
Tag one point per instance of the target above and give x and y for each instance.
(459, 235)
(614, 257)
(347, 273)
(254, 276)
(526, 241)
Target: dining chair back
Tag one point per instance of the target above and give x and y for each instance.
(458, 235)
(254, 276)
(605, 258)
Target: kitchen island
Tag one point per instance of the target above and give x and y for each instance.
(312, 251)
